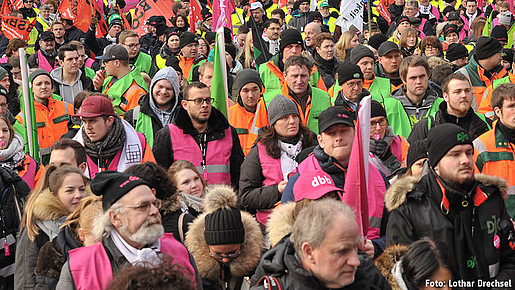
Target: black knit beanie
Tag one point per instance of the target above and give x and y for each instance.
(231, 50)
(376, 40)
(500, 33)
(113, 185)
(314, 15)
(449, 28)
(37, 73)
(360, 51)
(187, 38)
(224, 227)
(507, 55)
(210, 37)
(377, 110)
(349, 71)
(417, 150)
(487, 46)
(456, 51)
(290, 36)
(443, 138)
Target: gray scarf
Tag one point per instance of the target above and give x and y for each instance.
(165, 117)
(197, 203)
(12, 156)
(110, 145)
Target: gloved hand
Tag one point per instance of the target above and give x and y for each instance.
(94, 22)
(379, 147)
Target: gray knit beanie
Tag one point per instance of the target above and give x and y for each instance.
(279, 107)
(3, 73)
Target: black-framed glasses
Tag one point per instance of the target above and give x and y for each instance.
(200, 101)
(145, 205)
(228, 256)
(381, 123)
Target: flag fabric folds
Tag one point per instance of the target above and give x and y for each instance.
(219, 88)
(145, 9)
(222, 10)
(261, 53)
(10, 5)
(80, 12)
(195, 15)
(14, 27)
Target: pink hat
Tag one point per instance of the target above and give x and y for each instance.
(313, 185)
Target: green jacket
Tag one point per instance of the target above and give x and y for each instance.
(144, 63)
(117, 90)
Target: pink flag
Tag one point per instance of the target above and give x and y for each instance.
(356, 181)
(195, 15)
(222, 10)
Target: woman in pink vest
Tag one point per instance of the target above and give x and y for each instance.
(190, 186)
(264, 173)
(47, 207)
(12, 156)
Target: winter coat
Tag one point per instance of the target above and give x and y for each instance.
(217, 123)
(415, 113)
(49, 214)
(284, 264)
(325, 70)
(299, 20)
(211, 271)
(170, 216)
(416, 211)
(387, 260)
(472, 123)
(68, 92)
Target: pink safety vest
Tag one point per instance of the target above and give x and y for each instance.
(91, 268)
(376, 191)
(93, 167)
(435, 12)
(396, 148)
(4, 59)
(217, 169)
(273, 174)
(44, 64)
(30, 173)
(422, 35)
(89, 62)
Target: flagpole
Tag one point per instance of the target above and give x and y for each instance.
(369, 18)
(26, 97)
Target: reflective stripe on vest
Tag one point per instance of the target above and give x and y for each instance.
(217, 169)
(272, 171)
(91, 268)
(376, 191)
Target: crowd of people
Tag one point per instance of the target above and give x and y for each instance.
(141, 180)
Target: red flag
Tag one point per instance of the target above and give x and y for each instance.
(14, 27)
(356, 181)
(146, 9)
(222, 10)
(281, 3)
(10, 5)
(195, 15)
(126, 24)
(382, 9)
(80, 12)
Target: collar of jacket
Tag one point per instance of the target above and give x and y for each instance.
(217, 122)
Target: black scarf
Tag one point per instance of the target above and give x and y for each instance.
(330, 166)
(329, 65)
(110, 145)
(467, 230)
(507, 132)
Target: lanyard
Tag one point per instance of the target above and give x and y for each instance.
(203, 148)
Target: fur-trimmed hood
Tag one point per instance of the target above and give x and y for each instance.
(223, 197)
(396, 195)
(280, 222)
(387, 260)
(48, 207)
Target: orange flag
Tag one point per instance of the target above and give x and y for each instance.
(10, 5)
(80, 12)
(14, 27)
(126, 24)
(146, 9)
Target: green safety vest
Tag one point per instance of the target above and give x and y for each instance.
(90, 73)
(319, 102)
(144, 63)
(118, 89)
(160, 61)
(144, 125)
(380, 88)
(501, 81)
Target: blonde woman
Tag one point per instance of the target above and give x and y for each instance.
(409, 42)
(246, 54)
(348, 40)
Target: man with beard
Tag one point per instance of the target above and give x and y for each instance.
(463, 210)
(155, 109)
(499, 141)
(202, 135)
(130, 232)
(457, 93)
(110, 142)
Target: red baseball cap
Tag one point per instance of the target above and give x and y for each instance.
(313, 185)
(95, 106)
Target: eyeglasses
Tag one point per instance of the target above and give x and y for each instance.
(381, 123)
(200, 101)
(3, 105)
(222, 256)
(145, 205)
(132, 46)
(358, 83)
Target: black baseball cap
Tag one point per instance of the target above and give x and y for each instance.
(114, 51)
(332, 116)
(47, 35)
(386, 47)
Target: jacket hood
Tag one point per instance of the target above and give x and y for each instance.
(48, 207)
(428, 100)
(387, 260)
(397, 194)
(280, 222)
(208, 267)
(57, 75)
(169, 74)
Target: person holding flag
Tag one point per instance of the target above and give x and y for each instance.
(202, 135)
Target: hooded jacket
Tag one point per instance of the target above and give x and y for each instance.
(415, 113)
(211, 271)
(68, 92)
(472, 122)
(299, 20)
(417, 210)
(149, 118)
(49, 214)
(217, 124)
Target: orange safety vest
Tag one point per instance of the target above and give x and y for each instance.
(480, 90)
(278, 73)
(52, 122)
(185, 64)
(485, 107)
(242, 120)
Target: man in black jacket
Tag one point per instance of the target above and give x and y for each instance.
(457, 93)
(463, 210)
(202, 135)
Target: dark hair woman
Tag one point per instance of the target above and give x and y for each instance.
(264, 172)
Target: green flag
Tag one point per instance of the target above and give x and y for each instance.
(29, 113)
(219, 89)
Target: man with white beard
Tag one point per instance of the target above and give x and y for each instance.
(130, 232)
